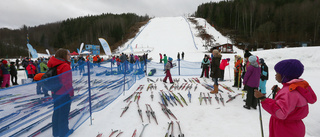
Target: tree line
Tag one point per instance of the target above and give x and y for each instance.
(70, 33)
(262, 23)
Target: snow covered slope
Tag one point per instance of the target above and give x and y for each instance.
(169, 36)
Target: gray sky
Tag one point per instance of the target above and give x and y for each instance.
(16, 13)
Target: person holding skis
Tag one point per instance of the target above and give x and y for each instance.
(167, 71)
(290, 104)
(205, 66)
(62, 97)
(251, 82)
(223, 64)
(215, 70)
(264, 76)
(237, 71)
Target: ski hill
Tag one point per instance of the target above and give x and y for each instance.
(170, 35)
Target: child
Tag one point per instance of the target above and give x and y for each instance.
(290, 105)
(205, 66)
(5, 74)
(251, 81)
(167, 71)
(264, 76)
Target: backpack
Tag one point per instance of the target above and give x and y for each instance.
(50, 80)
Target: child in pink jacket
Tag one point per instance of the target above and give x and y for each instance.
(290, 105)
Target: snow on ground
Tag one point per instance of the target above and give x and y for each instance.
(171, 35)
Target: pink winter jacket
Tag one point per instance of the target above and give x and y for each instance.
(288, 109)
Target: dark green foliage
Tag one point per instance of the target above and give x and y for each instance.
(69, 33)
(262, 22)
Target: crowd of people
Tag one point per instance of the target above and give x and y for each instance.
(288, 106)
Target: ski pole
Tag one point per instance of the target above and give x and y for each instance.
(144, 126)
(273, 91)
(260, 118)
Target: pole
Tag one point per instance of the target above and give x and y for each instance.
(124, 76)
(89, 87)
(261, 125)
(229, 72)
(179, 65)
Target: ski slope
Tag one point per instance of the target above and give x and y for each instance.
(170, 35)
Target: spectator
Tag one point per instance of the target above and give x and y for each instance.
(251, 82)
(13, 73)
(62, 97)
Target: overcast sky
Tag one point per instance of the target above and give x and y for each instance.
(16, 13)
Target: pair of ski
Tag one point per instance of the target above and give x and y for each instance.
(226, 87)
(232, 97)
(114, 132)
(167, 111)
(135, 131)
(205, 98)
(151, 112)
(168, 130)
(202, 97)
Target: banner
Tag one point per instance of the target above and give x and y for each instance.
(32, 51)
(105, 46)
(48, 52)
(81, 46)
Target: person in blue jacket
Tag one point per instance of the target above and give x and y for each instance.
(264, 76)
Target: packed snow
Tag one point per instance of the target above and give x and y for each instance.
(170, 35)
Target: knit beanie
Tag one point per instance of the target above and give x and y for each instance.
(253, 61)
(289, 69)
(4, 62)
(261, 60)
(170, 59)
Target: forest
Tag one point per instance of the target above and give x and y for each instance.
(70, 33)
(265, 23)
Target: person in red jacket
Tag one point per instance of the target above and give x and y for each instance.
(223, 64)
(62, 97)
(290, 104)
(31, 70)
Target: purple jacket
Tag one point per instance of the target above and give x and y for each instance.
(252, 76)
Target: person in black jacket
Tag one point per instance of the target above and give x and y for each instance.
(264, 76)
(13, 73)
(205, 66)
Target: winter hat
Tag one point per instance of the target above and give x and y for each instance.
(4, 62)
(261, 60)
(289, 69)
(253, 61)
(247, 54)
(228, 59)
(252, 58)
(170, 59)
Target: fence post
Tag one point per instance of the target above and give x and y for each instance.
(124, 77)
(89, 87)
(179, 66)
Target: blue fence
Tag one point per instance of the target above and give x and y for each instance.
(26, 111)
